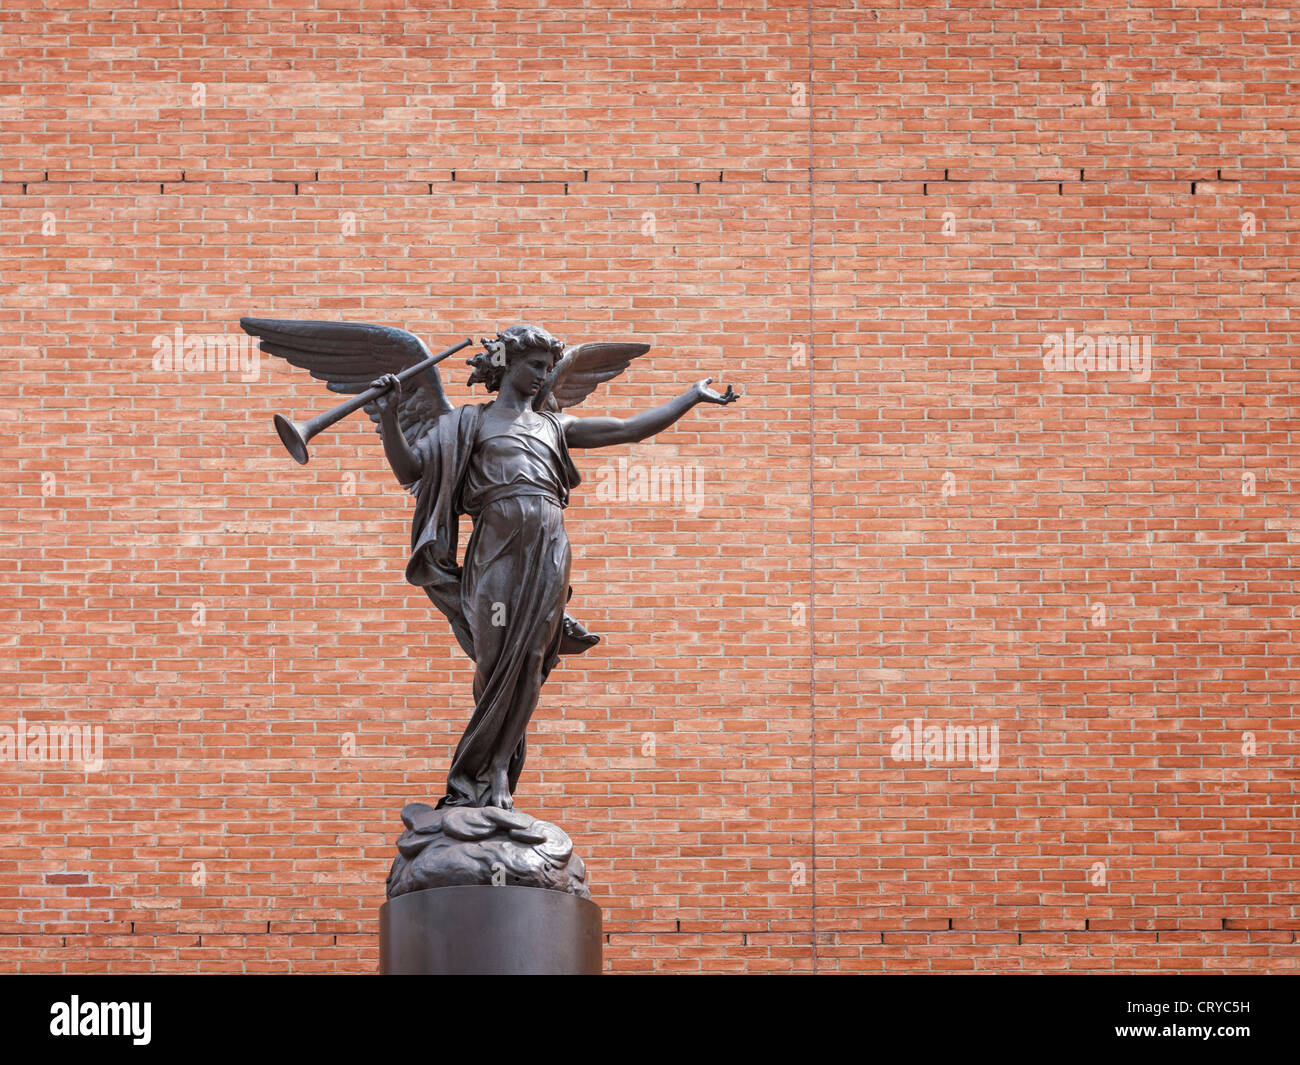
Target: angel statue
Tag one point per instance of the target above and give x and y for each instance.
(507, 464)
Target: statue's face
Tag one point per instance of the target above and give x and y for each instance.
(528, 370)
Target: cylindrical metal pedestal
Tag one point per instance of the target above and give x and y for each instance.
(482, 930)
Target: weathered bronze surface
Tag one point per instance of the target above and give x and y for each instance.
(507, 463)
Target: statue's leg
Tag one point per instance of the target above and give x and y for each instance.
(508, 761)
(513, 590)
(483, 597)
(551, 657)
(545, 591)
(516, 764)
(470, 779)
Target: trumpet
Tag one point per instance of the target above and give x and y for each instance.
(297, 435)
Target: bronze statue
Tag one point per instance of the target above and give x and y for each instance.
(507, 464)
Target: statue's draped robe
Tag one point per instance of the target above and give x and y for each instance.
(506, 605)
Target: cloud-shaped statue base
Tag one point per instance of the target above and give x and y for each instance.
(482, 845)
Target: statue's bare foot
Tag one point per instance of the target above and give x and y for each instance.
(501, 796)
(575, 638)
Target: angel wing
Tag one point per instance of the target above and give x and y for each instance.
(581, 368)
(348, 356)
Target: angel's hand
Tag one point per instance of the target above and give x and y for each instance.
(706, 395)
(387, 403)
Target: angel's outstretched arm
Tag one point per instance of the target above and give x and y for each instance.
(606, 432)
(406, 465)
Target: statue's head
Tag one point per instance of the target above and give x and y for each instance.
(527, 350)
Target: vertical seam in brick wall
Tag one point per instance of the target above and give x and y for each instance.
(812, 522)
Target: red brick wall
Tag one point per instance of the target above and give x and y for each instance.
(906, 517)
